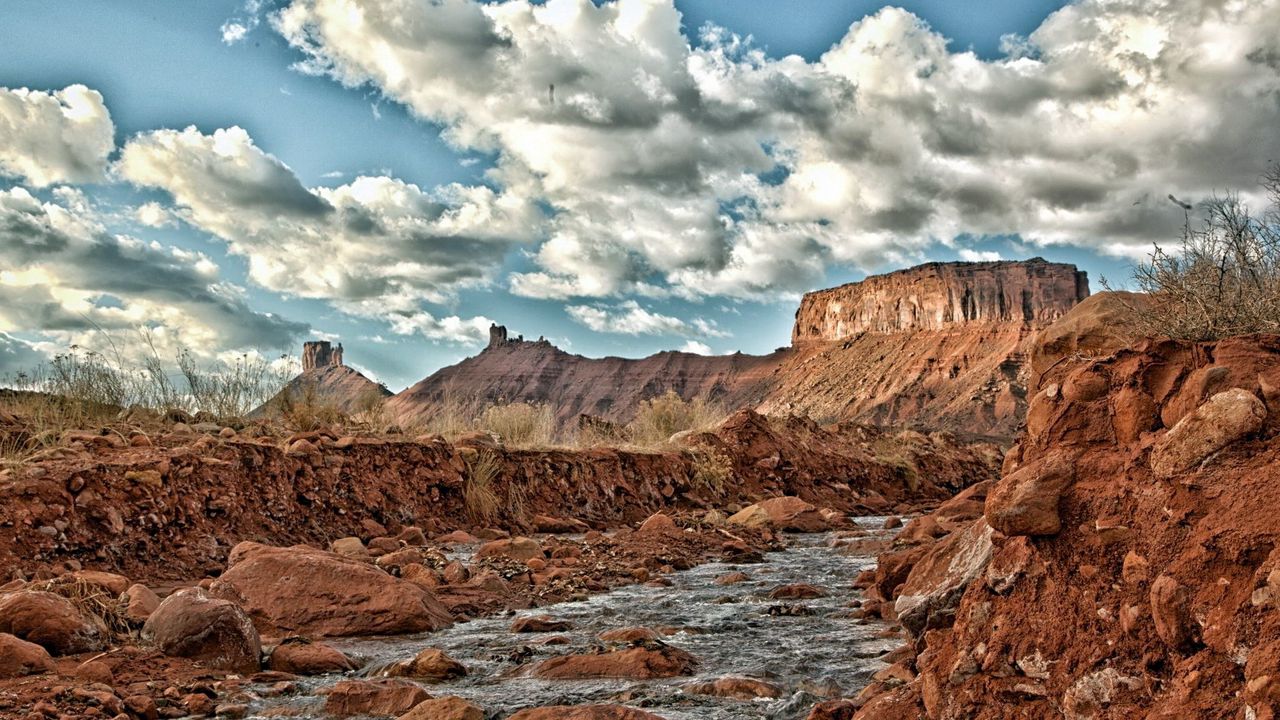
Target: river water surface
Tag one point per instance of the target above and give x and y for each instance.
(729, 628)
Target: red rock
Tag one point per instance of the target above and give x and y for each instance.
(738, 688)
(638, 663)
(138, 602)
(349, 547)
(629, 635)
(445, 708)
(558, 525)
(584, 712)
(792, 513)
(412, 536)
(384, 546)
(797, 591)
(520, 548)
(215, 632)
(658, 523)
(1224, 419)
(458, 537)
(732, 578)
(19, 658)
(1171, 613)
(52, 622)
(833, 710)
(373, 697)
(539, 624)
(301, 590)
(301, 657)
(940, 576)
(95, 671)
(430, 664)
(1026, 502)
(110, 583)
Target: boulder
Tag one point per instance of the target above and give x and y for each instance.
(297, 656)
(1025, 502)
(539, 624)
(430, 664)
(738, 688)
(19, 658)
(1222, 420)
(110, 583)
(349, 547)
(583, 712)
(658, 523)
(52, 622)
(137, 603)
(216, 632)
(520, 548)
(937, 580)
(797, 591)
(1171, 613)
(445, 708)
(384, 697)
(558, 525)
(794, 514)
(629, 636)
(752, 516)
(637, 663)
(303, 591)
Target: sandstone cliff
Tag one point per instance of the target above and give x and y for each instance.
(940, 346)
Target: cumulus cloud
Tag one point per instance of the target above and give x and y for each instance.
(706, 167)
(629, 318)
(970, 255)
(64, 136)
(64, 275)
(697, 348)
(376, 246)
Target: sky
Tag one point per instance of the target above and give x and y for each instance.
(620, 177)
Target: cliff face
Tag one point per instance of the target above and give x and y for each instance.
(939, 296)
(940, 346)
(319, 354)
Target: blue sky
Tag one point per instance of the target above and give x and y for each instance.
(320, 107)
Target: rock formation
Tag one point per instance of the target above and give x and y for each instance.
(939, 296)
(319, 354)
(326, 381)
(942, 346)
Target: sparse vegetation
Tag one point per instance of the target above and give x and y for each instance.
(1224, 278)
(520, 424)
(478, 495)
(303, 409)
(711, 470)
(661, 417)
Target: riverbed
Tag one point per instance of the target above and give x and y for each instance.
(811, 648)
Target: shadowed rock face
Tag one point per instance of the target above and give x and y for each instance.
(319, 354)
(937, 296)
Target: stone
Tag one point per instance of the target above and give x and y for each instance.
(137, 603)
(445, 708)
(304, 591)
(213, 631)
(1170, 612)
(732, 578)
(51, 621)
(1092, 694)
(629, 636)
(738, 688)
(658, 523)
(933, 588)
(1222, 420)
(349, 547)
(110, 583)
(19, 658)
(797, 591)
(1026, 501)
(794, 514)
(637, 663)
(430, 664)
(520, 548)
(539, 624)
(583, 712)
(833, 710)
(297, 656)
(558, 525)
(752, 516)
(383, 697)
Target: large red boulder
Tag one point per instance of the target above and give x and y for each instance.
(1025, 502)
(783, 513)
(384, 697)
(521, 548)
(300, 590)
(216, 632)
(445, 708)
(302, 657)
(637, 663)
(51, 621)
(19, 657)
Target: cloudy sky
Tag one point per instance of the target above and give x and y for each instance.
(621, 177)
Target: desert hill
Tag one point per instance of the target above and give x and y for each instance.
(325, 379)
(941, 345)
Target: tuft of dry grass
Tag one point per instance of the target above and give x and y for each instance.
(520, 424)
(88, 598)
(712, 471)
(478, 494)
(661, 417)
(303, 410)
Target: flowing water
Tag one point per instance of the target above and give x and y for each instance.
(727, 627)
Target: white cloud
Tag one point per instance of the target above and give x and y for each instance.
(651, 150)
(233, 32)
(970, 255)
(697, 348)
(629, 318)
(17, 356)
(64, 136)
(155, 215)
(376, 243)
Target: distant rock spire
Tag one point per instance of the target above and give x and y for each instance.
(320, 353)
(497, 335)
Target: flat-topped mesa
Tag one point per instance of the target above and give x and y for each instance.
(937, 296)
(319, 354)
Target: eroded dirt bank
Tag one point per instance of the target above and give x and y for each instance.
(1127, 563)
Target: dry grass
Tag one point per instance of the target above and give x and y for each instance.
(88, 598)
(478, 495)
(520, 424)
(712, 471)
(303, 410)
(661, 417)
(1224, 278)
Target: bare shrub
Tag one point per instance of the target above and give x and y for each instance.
(659, 418)
(1224, 278)
(303, 409)
(478, 495)
(454, 415)
(520, 424)
(712, 471)
(371, 409)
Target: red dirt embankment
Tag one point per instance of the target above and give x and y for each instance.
(174, 510)
(1128, 561)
